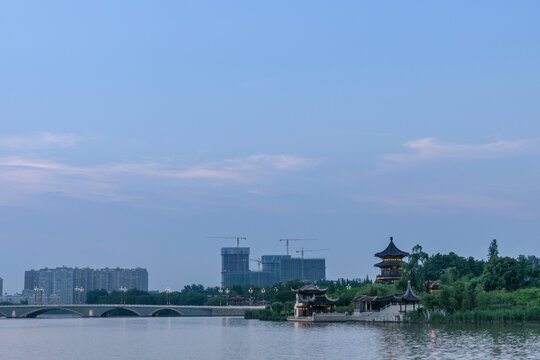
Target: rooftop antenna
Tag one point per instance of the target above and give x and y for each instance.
(287, 242)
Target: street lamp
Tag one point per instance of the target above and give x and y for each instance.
(76, 294)
(227, 291)
(348, 287)
(41, 291)
(168, 291)
(36, 290)
(220, 291)
(81, 290)
(123, 291)
(263, 290)
(250, 291)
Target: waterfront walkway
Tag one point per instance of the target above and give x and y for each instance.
(104, 310)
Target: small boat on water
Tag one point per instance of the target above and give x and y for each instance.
(313, 306)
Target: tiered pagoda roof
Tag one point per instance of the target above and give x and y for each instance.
(391, 251)
(313, 295)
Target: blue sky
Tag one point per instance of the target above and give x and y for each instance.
(132, 131)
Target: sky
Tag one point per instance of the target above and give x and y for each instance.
(133, 131)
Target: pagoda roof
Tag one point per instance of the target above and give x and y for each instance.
(385, 264)
(391, 250)
(409, 296)
(310, 290)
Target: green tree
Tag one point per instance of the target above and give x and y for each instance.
(493, 250)
(502, 273)
(415, 269)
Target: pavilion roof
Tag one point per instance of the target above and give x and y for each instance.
(391, 250)
(409, 295)
(310, 290)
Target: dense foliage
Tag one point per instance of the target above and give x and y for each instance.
(501, 289)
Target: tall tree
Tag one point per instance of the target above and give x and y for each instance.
(493, 251)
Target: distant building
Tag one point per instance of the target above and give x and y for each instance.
(1, 286)
(275, 269)
(59, 284)
(308, 270)
(391, 264)
(235, 266)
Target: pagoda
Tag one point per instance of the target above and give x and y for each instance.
(391, 264)
(312, 300)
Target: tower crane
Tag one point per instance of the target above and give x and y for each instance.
(287, 242)
(258, 261)
(305, 251)
(237, 238)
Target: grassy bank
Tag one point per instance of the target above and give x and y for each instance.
(278, 311)
(516, 314)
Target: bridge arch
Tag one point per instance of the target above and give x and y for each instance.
(108, 313)
(36, 312)
(156, 312)
(3, 314)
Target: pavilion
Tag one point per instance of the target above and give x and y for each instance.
(391, 264)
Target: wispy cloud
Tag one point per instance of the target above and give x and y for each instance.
(430, 202)
(429, 149)
(38, 141)
(31, 176)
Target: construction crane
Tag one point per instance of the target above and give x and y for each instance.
(305, 251)
(237, 238)
(258, 261)
(287, 242)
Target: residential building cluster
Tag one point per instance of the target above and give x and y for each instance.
(63, 284)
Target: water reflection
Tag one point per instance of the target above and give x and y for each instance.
(225, 338)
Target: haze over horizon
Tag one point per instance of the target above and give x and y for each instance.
(132, 132)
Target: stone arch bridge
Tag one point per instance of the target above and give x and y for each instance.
(32, 311)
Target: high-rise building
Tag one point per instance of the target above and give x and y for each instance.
(275, 268)
(234, 266)
(61, 282)
(271, 263)
(31, 279)
(309, 270)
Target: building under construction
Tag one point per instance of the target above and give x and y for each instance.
(275, 268)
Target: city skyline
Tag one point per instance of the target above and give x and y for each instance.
(132, 132)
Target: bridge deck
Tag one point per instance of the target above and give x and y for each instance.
(104, 310)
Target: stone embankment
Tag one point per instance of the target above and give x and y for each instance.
(388, 314)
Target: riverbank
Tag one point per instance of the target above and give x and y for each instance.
(498, 316)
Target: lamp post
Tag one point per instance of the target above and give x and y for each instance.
(348, 287)
(41, 291)
(168, 291)
(36, 290)
(123, 291)
(263, 290)
(81, 290)
(227, 291)
(220, 291)
(250, 291)
(76, 294)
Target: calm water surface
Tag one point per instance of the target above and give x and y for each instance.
(234, 338)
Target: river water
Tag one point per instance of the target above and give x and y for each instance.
(236, 338)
